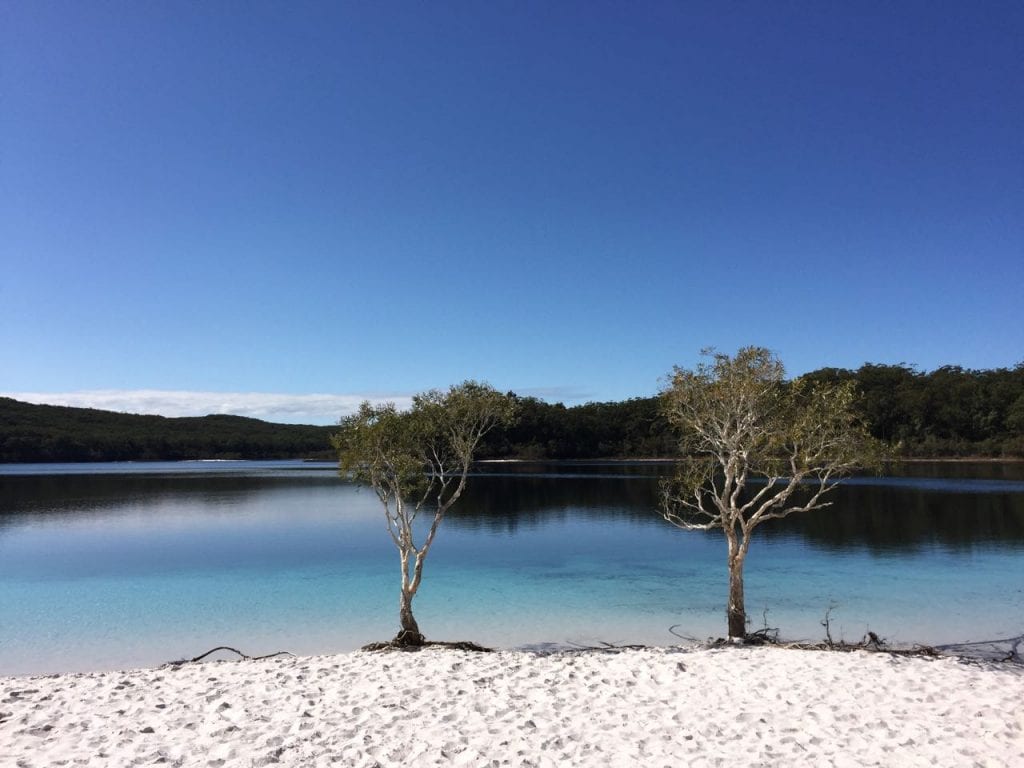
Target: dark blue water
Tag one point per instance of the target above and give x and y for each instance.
(117, 565)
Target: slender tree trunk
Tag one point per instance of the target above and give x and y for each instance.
(409, 634)
(737, 615)
(409, 631)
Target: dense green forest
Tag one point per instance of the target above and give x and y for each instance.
(55, 433)
(948, 412)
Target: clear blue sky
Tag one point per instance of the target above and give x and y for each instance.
(563, 199)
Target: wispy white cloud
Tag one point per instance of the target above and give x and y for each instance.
(280, 408)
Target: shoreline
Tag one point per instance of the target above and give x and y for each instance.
(603, 460)
(667, 706)
(963, 460)
(665, 460)
(1001, 650)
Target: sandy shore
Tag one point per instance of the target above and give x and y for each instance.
(658, 707)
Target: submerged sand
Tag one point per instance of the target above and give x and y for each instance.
(654, 707)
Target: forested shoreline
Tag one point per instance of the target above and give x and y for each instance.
(946, 413)
(46, 433)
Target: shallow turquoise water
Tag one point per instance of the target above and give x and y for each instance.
(126, 565)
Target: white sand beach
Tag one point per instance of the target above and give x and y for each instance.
(656, 707)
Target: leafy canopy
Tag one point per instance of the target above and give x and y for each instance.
(414, 456)
(739, 419)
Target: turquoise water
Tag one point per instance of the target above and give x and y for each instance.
(107, 566)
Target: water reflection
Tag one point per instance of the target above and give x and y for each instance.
(110, 569)
(42, 493)
(874, 514)
(920, 507)
(506, 503)
(899, 519)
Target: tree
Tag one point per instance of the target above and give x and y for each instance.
(755, 448)
(418, 461)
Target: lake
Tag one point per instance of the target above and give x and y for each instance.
(118, 565)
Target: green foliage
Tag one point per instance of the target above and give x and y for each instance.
(452, 424)
(45, 433)
(414, 455)
(734, 404)
(380, 447)
(1015, 416)
(739, 419)
(950, 411)
(633, 428)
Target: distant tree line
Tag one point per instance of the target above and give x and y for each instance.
(46, 433)
(633, 428)
(948, 412)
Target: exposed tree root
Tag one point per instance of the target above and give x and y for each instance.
(243, 656)
(406, 638)
(871, 642)
(607, 647)
(1008, 649)
(399, 644)
(672, 631)
(763, 636)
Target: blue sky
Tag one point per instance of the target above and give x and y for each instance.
(225, 206)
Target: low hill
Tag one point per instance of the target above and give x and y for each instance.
(945, 413)
(56, 433)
